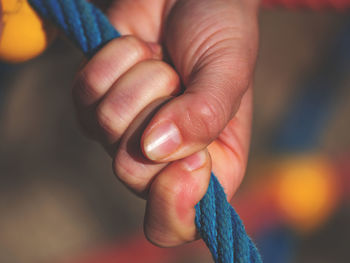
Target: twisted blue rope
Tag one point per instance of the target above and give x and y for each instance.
(82, 22)
(216, 220)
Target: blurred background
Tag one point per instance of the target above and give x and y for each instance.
(60, 202)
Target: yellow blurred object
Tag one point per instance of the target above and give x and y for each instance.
(306, 191)
(23, 35)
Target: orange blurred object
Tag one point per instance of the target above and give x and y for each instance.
(300, 191)
(306, 190)
(24, 35)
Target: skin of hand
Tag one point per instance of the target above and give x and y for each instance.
(170, 101)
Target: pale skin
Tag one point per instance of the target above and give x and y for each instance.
(171, 102)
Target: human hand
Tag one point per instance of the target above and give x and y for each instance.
(159, 122)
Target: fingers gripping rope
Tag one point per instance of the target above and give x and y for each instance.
(216, 220)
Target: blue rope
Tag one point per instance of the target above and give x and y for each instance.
(82, 22)
(216, 220)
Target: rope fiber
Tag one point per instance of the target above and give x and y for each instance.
(217, 222)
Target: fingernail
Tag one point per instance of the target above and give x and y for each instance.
(163, 140)
(195, 161)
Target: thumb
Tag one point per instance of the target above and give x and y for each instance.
(212, 44)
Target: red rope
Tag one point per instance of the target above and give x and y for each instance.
(338, 5)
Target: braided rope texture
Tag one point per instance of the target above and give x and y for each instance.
(81, 22)
(222, 229)
(216, 220)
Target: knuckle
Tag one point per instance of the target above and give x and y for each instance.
(137, 48)
(206, 117)
(122, 169)
(166, 74)
(106, 121)
(85, 88)
(166, 192)
(160, 74)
